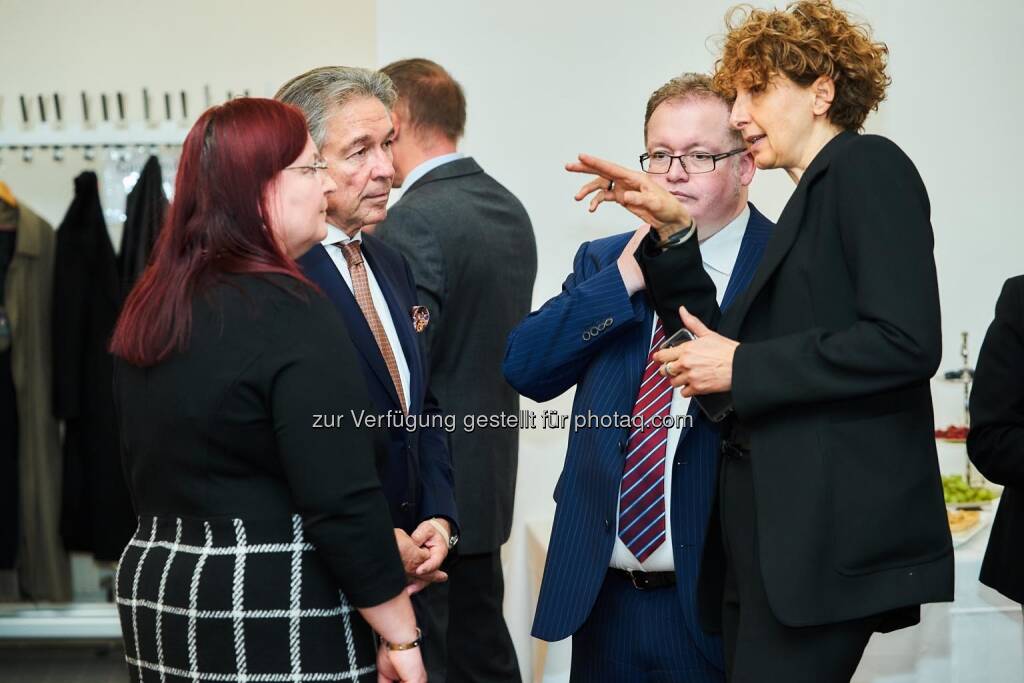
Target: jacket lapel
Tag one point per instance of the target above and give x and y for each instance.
(318, 265)
(402, 320)
(782, 238)
(755, 238)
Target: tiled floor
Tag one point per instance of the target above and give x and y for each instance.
(74, 664)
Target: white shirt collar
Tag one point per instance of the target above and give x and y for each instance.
(721, 249)
(337, 236)
(427, 166)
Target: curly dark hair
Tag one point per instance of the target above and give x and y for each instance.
(811, 38)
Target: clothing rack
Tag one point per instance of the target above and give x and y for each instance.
(87, 119)
(115, 107)
(28, 152)
(115, 151)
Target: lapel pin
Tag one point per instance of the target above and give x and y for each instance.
(420, 318)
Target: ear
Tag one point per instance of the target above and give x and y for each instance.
(824, 91)
(396, 122)
(746, 168)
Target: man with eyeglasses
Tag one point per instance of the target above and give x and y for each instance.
(634, 502)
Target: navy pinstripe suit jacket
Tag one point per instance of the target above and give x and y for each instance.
(547, 354)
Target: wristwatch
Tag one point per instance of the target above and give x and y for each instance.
(451, 539)
(680, 237)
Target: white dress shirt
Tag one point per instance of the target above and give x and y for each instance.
(718, 253)
(337, 237)
(427, 166)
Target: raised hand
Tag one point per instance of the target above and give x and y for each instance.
(633, 190)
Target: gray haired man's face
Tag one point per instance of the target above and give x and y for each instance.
(357, 149)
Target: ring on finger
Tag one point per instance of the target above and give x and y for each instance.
(669, 371)
(611, 185)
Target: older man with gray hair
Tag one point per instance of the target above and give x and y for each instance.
(370, 284)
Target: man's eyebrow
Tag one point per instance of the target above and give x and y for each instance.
(367, 139)
(361, 140)
(656, 144)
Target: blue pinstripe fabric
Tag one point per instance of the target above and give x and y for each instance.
(636, 636)
(556, 348)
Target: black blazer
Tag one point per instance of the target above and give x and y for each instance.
(227, 429)
(470, 245)
(417, 475)
(996, 440)
(839, 335)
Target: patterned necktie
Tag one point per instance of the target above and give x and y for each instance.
(361, 290)
(642, 492)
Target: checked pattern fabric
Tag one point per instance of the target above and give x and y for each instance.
(642, 492)
(236, 601)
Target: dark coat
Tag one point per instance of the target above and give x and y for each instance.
(471, 248)
(839, 336)
(97, 516)
(144, 215)
(996, 441)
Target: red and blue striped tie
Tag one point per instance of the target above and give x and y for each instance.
(642, 492)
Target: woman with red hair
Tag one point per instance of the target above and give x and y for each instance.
(264, 549)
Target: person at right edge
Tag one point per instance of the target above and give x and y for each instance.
(995, 443)
(824, 363)
(470, 245)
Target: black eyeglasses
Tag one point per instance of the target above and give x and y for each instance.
(660, 163)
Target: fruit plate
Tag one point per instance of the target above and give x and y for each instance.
(964, 536)
(974, 505)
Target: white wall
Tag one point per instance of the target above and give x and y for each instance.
(545, 80)
(49, 46)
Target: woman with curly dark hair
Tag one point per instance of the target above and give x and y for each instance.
(830, 524)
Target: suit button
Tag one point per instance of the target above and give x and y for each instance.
(405, 506)
(607, 525)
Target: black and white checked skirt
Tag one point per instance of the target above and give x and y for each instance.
(235, 600)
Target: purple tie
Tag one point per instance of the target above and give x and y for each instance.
(642, 492)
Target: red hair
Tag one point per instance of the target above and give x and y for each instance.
(217, 224)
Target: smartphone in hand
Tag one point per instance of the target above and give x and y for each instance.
(714, 406)
(680, 337)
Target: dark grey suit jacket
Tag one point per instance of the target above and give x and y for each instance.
(471, 248)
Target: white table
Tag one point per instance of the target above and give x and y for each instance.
(70, 621)
(977, 638)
